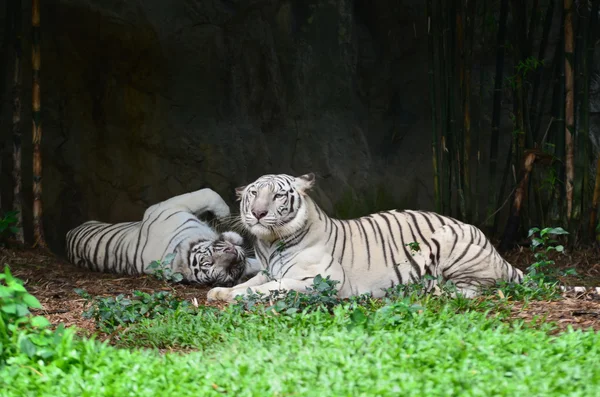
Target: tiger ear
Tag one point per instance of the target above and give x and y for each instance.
(239, 191)
(305, 182)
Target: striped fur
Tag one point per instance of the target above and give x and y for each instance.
(171, 227)
(296, 241)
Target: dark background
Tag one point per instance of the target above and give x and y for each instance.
(146, 99)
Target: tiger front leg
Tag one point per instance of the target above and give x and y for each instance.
(220, 293)
(288, 284)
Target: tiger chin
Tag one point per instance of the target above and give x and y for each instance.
(296, 241)
(169, 228)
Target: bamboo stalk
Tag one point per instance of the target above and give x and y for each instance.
(582, 112)
(496, 112)
(595, 204)
(558, 194)
(445, 183)
(3, 67)
(16, 123)
(451, 87)
(533, 21)
(38, 229)
(459, 53)
(591, 41)
(480, 114)
(534, 105)
(470, 13)
(503, 183)
(569, 107)
(432, 99)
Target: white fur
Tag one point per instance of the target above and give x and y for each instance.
(342, 250)
(168, 227)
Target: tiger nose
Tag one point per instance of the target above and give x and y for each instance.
(230, 248)
(259, 214)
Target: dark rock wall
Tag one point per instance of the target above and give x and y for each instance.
(146, 99)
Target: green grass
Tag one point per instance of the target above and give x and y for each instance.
(433, 347)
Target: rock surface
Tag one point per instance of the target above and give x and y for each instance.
(147, 99)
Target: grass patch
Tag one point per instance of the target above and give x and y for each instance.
(400, 347)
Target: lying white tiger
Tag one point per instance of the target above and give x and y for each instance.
(296, 241)
(170, 227)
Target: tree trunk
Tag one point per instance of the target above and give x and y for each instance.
(16, 122)
(38, 229)
(569, 107)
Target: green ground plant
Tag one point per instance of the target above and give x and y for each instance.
(161, 270)
(20, 332)
(110, 312)
(8, 226)
(542, 277)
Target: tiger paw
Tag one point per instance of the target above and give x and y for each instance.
(219, 294)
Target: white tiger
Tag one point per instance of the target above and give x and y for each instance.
(296, 241)
(170, 227)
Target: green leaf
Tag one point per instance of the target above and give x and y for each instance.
(177, 277)
(40, 321)
(153, 265)
(358, 317)
(10, 308)
(81, 292)
(532, 231)
(45, 353)
(16, 286)
(5, 292)
(554, 230)
(27, 347)
(536, 242)
(21, 310)
(169, 258)
(32, 301)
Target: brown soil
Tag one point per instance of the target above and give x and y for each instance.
(53, 280)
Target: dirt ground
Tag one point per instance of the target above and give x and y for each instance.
(53, 280)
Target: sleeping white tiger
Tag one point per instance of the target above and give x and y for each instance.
(296, 241)
(170, 227)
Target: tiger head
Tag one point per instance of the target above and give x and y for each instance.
(273, 206)
(219, 262)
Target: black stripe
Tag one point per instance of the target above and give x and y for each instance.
(108, 245)
(374, 225)
(344, 238)
(411, 260)
(424, 240)
(366, 239)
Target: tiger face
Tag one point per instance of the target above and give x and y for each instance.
(272, 207)
(218, 262)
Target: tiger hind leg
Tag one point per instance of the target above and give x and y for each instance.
(464, 256)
